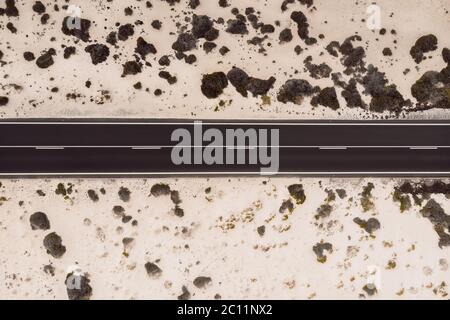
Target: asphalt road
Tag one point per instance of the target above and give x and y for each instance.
(136, 147)
(306, 134)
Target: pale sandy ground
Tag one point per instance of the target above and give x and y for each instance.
(410, 18)
(242, 264)
(279, 265)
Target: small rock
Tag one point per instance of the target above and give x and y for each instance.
(153, 270)
(46, 59)
(319, 249)
(186, 295)
(124, 194)
(261, 230)
(54, 246)
(160, 189)
(93, 195)
(202, 282)
(296, 191)
(39, 221)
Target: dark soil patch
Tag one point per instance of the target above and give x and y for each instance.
(384, 97)
(193, 4)
(131, 68)
(125, 31)
(185, 42)
(327, 97)
(422, 191)
(68, 52)
(366, 197)
(297, 193)
(387, 52)
(295, 90)
(29, 56)
(317, 71)
(213, 84)
(302, 27)
(423, 45)
(286, 205)
(99, 53)
(3, 101)
(440, 220)
(370, 226)
(179, 212)
(243, 83)
(38, 7)
(11, 9)
(209, 46)
(285, 35)
(236, 26)
(144, 48)
(319, 250)
(446, 55)
(432, 90)
(324, 211)
(202, 27)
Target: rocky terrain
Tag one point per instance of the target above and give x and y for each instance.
(224, 238)
(285, 238)
(288, 59)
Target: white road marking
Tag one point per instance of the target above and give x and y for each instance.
(232, 123)
(49, 148)
(395, 173)
(136, 148)
(158, 147)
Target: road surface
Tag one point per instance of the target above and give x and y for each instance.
(144, 148)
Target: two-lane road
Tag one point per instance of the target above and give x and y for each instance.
(144, 148)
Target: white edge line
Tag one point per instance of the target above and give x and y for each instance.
(231, 123)
(222, 173)
(222, 146)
